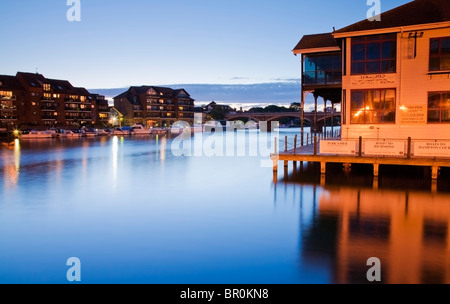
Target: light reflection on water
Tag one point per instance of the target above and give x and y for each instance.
(134, 213)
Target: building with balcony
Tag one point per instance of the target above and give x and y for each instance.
(155, 106)
(11, 101)
(390, 77)
(32, 100)
(393, 90)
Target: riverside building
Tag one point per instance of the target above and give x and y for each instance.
(32, 100)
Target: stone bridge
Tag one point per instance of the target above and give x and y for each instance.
(257, 117)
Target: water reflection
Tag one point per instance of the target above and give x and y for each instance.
(11, 163)
(408, 230)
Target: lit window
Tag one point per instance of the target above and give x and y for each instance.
(47, 96)
(439, 107)
(373, 106)
(7, 94)
(440, 54)
(46, 87)
(374, 54)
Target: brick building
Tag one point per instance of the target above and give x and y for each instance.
(155, 106)
(29, 100)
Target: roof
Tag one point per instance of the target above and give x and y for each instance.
(412, 13)
(33, 80)
(136, 91)
(9, 83)
(310, 43)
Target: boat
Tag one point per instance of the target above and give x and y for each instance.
(119, 131)
(158, 131)
(34, 134)
(68, 134)
(102, 132)
(197, 128)
(89, 132)
(139, 130)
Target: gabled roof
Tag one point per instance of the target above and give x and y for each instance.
(316, 42)
(412, 13)
(61, 86)
(82, 91)
(9, 83)
(32, 80)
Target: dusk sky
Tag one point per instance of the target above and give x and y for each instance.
(123, 43)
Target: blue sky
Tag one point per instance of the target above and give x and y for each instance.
(120, 43)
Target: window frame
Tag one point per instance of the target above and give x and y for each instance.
(438, 56)
(440, 109)
(366, 112)
(365, 41)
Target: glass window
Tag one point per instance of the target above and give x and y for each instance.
(322, 69)
(439, 107)
(440, 54)
(372, 106)
(374, 54)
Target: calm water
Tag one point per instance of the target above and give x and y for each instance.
(132, 212)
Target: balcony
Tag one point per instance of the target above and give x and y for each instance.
(322, 70)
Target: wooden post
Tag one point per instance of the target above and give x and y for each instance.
(285, 144)
(315, 145)
(295, 144)
(434, 172)
(323, 168)
(360, 147)
(375, 170)
(408, 155)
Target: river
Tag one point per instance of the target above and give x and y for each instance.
(133, 211)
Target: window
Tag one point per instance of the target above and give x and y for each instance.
(439, 107)
(440, 54)
(46, 87)
(374, 54)
(6, 94)
(372, 106)
(322, 69)
(47, 96)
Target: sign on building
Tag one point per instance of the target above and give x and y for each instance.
(432, 148)
(384, 147)
(413, 115)
(343, 147)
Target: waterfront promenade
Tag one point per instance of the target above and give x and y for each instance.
(359, 151)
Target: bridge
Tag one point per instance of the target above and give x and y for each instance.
(320, 117)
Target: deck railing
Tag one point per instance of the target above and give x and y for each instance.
(319, 144)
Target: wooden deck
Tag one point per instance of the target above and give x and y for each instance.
(310, 153)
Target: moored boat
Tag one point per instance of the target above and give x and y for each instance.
(139, 130)
(34, 134)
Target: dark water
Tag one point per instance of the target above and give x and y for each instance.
(132, 212)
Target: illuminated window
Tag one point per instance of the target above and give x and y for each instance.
(56, 95)
(181, 108)
(374, 54)
(372, 106)
(7, 94)
(46, 87)
(440, 54)
(439, 107)
(47, 96)
(82, 98)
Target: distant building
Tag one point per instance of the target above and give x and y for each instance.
(31, 100)
(213, 105)
(155, 106)
(391, 77)
(11, 101)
